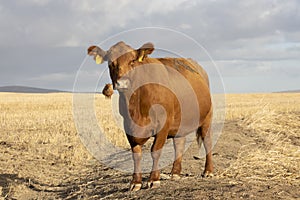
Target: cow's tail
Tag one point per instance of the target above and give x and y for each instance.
(199, 141)
(202, 133)
(198, 137)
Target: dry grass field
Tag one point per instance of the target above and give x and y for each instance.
(42, 157)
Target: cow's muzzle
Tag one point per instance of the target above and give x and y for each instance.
(122, 84)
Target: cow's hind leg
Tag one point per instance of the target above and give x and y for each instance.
(179, 144)
(204, 134)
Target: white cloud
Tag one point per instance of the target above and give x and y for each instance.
(244, 37)
(70, 23)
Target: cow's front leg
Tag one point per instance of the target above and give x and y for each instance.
(156, 151)
(136, 183)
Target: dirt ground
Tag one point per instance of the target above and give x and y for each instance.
(25, 175)
(99, 182)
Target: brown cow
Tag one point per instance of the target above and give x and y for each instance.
(143, 83)
(108, 90)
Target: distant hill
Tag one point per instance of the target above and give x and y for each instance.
(24, 89)
(289, 91)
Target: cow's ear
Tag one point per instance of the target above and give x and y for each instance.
(98, 53)
(144, 51)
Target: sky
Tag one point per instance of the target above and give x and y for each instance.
(254, 45)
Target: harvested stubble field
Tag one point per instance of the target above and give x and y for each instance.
(41, 156)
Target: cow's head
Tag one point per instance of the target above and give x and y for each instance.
(121, 59)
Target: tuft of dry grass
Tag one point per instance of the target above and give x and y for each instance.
(39, 142)
(39, 128)
(273, 120)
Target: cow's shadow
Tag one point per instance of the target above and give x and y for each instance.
(7, 180)
(98, 184)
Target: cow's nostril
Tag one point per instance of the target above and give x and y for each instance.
(122, 84)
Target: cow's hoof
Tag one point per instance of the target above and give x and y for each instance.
(175, 177)
(135, 186)
(153, 184)
(207, 174)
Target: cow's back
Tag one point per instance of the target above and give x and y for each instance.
(187, 67)
(196, 76)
